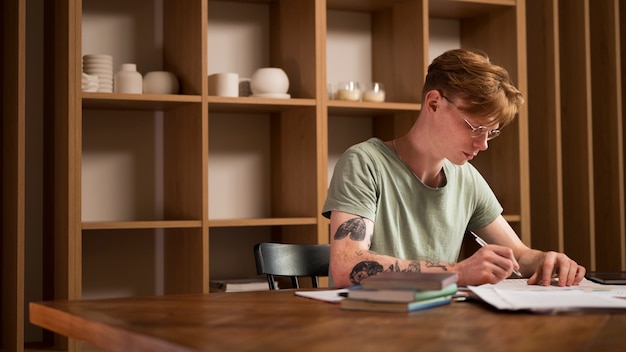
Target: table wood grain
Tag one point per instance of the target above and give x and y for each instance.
(281, 321)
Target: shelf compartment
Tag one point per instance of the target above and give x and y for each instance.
(121, 262)
(155, 35)
(263, 165)
(397, 33)
(125, 178)
(282, 33)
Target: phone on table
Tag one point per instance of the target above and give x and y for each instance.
(607, 277)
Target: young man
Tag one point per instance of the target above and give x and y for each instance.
(405, 204)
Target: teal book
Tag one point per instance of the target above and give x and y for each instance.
(400, 295)
(359, 304)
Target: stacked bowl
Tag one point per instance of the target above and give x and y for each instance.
(101, 66)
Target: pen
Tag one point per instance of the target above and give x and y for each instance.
(482, 243)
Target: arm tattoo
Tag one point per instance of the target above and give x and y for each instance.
(413, 267)
(369, 268)
(355, 228)
(436, 265)
(363, 270)
(394, 267)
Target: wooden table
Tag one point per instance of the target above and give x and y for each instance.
(281, 321)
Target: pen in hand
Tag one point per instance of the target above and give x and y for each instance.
(482, 243)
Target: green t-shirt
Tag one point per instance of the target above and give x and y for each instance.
(411, 220)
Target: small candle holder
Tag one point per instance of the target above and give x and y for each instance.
(330, 91)
(374, 92)
(350, 91)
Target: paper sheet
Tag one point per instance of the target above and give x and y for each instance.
(515, 294)
(332, 296)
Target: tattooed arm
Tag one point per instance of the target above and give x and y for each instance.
(351, 257)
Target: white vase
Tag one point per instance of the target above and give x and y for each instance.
(128, 80)
(269, 80)
(160, 82)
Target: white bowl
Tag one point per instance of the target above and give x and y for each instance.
(160, 82)
(269, 80)
(97, 71)
(101, 66)
(97, 61)
(98, 57)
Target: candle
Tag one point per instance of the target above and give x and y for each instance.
(374, 92)
(375, 96)
(348, 94)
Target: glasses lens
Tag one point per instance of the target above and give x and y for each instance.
(480, 131)
(492, 134)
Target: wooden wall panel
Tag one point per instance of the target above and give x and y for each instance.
(544, 120)
(608, 166)
(12, 157)
(576, 134)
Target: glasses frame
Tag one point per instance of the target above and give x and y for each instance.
(477, 131)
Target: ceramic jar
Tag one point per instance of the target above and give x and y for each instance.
(128, 80)
(160, 82)
(269, 80)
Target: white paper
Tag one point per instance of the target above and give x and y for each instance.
(516, 294)
(332, 296)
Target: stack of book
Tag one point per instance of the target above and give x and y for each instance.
(401, 292)
(239, 285)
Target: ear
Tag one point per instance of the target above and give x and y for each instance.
(433, 105)
(432, 100)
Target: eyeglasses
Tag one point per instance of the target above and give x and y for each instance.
(477, 131)
(480, 131)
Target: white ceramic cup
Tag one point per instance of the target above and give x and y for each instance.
(224, 84)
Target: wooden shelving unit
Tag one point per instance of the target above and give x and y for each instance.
(298, 128)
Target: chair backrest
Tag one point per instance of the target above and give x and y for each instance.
(292, 260)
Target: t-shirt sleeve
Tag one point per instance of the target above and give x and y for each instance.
(353, 188)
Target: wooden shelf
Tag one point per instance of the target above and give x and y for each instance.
(249, 104)
(459, 9)
(116, 225)
(117, 101)
(336, 107)
(362, 5)
(262, 222)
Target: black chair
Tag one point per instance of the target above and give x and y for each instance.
(292, 260)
